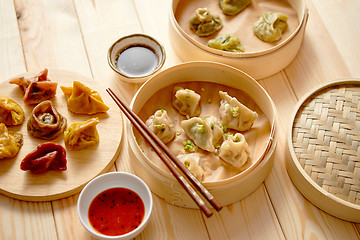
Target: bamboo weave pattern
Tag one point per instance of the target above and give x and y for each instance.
(326, 140)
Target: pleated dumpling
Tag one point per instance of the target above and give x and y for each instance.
(83, 100)
(187, 102)
(270, 26)
(11, 113)
(10, 142)
(205, 23)
(235, 150)
(161, 125)
(227, 42)
(234, 114)
(200, 131)
(232, 7)
(45, 121)
(82, 135)
(191, 162)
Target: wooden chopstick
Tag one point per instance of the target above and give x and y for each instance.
(160, 148)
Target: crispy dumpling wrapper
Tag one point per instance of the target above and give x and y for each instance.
(11, 113)
(36, 89)
(205, 23)
(82, 135)
(233, 7)
(46, 156)
(270, 26)
(10, 142)
(45, 121)
(227, 42)
(83, 100)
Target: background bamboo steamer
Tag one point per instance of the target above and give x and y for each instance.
(323, 154)
(258, 64)
(227, 191)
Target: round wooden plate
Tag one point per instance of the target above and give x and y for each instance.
(82, 165)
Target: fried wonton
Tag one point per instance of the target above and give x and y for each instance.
(10, 142)
(45, 121)
(82, 135)
(11, 113)
(36, 89)
(83, 100)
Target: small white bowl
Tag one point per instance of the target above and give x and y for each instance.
(136, 40)
(113, 180)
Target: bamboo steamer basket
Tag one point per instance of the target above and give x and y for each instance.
(227, 191)
(258, 64)
(323, 150)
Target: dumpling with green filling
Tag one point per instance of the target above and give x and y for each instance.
(205, 23)
(191, 162)
(161, 125)
(235, 150)
(233, 7)
(202, 132)
(82, 135)
(234, 114)
(187, 102)
(270, 26)
(227, 42)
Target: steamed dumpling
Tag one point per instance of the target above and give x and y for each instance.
(83, 100)
(234, 114)
(36, 89)
(11, 113)
(228, 42)
(161, 125)
(191, 162)
(205, 23)
(82, 135)
(10, 142)
(45, 121)
(187, 102)
(232, 7)
(270, 26)
(200, 131)
(235, 150)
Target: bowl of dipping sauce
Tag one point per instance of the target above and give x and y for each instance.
(136, 57)
(115, 205)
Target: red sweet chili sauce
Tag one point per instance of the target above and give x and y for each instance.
(116, 211)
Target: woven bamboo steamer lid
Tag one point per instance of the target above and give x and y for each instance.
(323, 154)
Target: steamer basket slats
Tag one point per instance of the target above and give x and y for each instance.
(324, 148)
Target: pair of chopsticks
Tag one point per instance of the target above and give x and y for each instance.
(164, 153)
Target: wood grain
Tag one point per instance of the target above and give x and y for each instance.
(83, 165)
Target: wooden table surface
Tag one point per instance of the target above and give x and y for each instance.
(75, 35)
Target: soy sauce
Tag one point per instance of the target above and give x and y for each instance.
(137, 61)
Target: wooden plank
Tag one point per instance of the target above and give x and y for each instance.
(343, 29)
(19, 219)
(11, 55)
(51, 36)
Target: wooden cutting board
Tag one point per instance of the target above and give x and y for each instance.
(82, 165)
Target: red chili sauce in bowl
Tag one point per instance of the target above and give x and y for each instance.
(116, 211)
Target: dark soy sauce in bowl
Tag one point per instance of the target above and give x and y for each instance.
(137, 61)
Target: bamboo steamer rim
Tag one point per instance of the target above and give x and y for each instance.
(303, 12)
(297, 172)
(272, 141)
